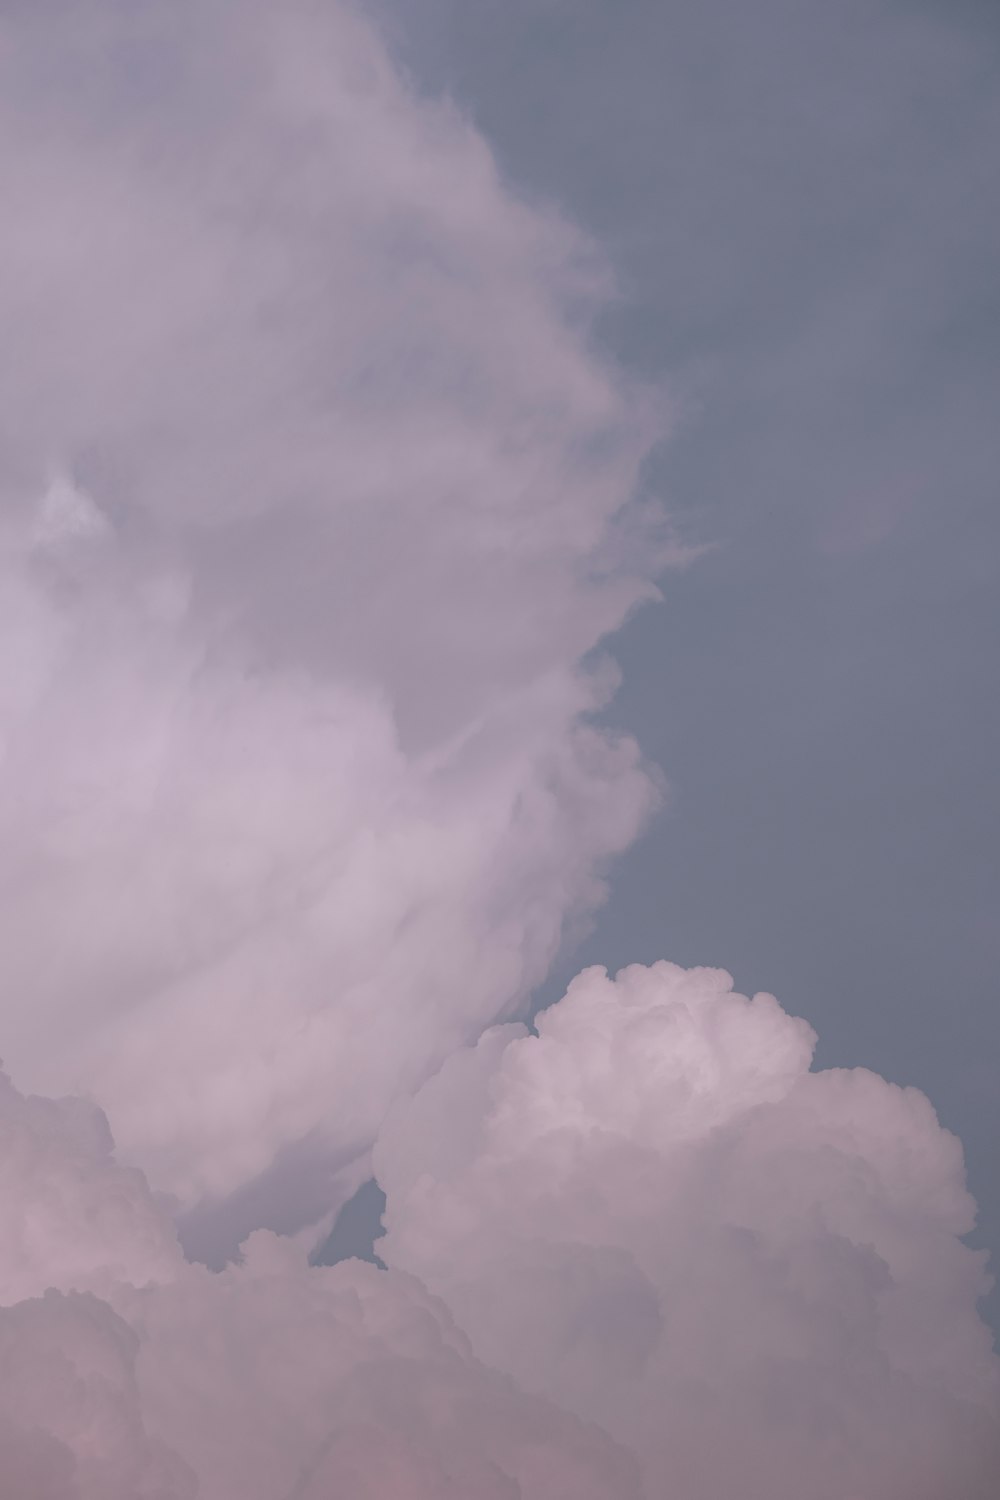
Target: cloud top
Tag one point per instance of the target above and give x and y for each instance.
(753, 1274)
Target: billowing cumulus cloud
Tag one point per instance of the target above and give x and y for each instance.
(752, 1272)
(655, 1255)
(314, 500)
(128, 1374)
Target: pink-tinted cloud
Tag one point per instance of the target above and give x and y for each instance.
(752, 1273)
(315, 500)
(128, 1374)
(312, 502)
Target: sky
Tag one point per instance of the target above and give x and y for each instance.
(800, 202)
(495, 586)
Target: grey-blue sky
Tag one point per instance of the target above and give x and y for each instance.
(802, 204)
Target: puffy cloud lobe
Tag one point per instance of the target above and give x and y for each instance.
(650, 1213)
(76, 1228)
(71, 1425)
(268, 1380)
(72, 1216)
(276, 1379)
(297, 788)
(754, 1273)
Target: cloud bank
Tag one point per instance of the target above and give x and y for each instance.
(127, 1372)
(316, 502)
(644, 1252)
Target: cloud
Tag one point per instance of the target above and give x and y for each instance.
(277, 1380)
(73, 1216)
(127, 1373)
(345, 1380)
(753, 1273)
(299, 785)
(316, 502)
(71, 1426)
(236, 911)
(655, 1254)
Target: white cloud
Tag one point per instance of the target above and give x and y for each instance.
(236, 910)
(272, 1379)
(297, 788)
(652, 1228)
(315, 501)
(752, 1273)
(276, 1379)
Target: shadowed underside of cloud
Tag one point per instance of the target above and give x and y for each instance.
(315, 501)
